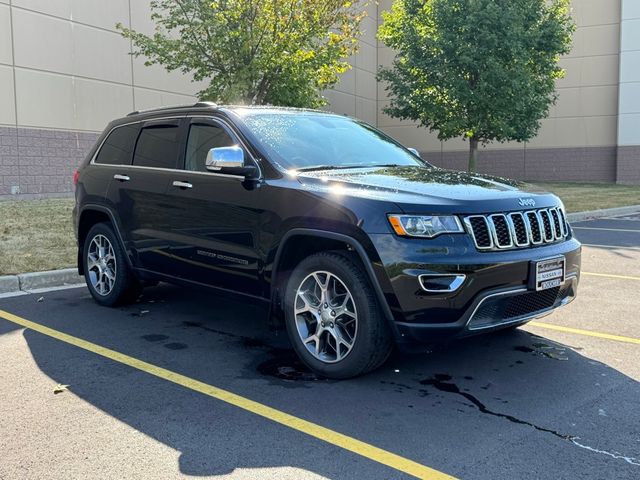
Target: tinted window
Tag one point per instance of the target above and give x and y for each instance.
(117, 148)
(157, 147)
(203, 138)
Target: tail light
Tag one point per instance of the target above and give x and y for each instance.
(76, 174)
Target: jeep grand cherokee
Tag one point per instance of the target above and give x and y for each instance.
(355, 242)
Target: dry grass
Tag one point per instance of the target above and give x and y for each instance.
(581, 197)
(36, 235)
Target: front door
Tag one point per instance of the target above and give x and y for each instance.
(215, 219)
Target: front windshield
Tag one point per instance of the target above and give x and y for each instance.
(307, 140)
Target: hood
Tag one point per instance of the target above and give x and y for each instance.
(418, 188)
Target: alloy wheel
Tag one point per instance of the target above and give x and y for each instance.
(101, 265)
(326, 316)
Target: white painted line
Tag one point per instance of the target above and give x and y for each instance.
(607, 229)
(617, 247)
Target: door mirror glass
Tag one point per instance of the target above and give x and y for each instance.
(222, 158)
(414, 151)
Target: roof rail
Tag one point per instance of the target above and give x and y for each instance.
(173, 107)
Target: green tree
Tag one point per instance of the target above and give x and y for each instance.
(280, 52)
(484, 70)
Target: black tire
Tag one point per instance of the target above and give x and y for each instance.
(126, 288)
(373, 343)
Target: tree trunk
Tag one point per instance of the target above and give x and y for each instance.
(473, 154)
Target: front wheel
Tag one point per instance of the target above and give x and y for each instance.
(333, 318)
(107, 273)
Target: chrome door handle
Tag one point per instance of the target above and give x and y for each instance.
(122, 178)
(178, 184)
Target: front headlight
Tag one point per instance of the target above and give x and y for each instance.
(427, 226)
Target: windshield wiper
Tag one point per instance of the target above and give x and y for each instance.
(313, 168)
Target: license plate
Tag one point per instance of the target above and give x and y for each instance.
(549, 273)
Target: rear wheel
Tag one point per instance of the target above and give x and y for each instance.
(106, 271)
(333, 318)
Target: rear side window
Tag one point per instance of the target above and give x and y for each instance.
(118, 147)
(157, 147)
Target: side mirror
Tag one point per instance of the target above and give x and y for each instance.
(414, 151)
(230, 161)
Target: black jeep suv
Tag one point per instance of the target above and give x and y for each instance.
(355, 242)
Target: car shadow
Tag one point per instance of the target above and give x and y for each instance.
(480, 392)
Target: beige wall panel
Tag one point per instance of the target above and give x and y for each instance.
(101, 13)
(141, 16)
(5, 1)
(366, 110)
(386, 55)
(59, 8)
(101, 55)
(629, 124)
(371, 7)
(7, 103)
(412, 136)
(145, 99)
(503, 146)
(366, 58)
(596, 12)
(366, 84)
(157, 77)
(576, 132)
(347, 82)
(587, 101)
(339, 102)
(589, 71)
(369, 27)
(385, 120)
(629, 66)
(6, 54)
(630, 38)
(596, 40)
(97, 103)
(44, 99)
(455, 145)
(42, 42)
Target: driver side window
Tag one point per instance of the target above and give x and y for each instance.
(202, 138)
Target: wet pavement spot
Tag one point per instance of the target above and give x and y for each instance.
(285, 365)
(154, 337)
(544, 350)
(175, 346)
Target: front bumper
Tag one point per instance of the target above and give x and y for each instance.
(495, 293)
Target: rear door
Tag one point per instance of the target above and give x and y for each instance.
(216, 219)
(139, 193)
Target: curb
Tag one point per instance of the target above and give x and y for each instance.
(606, 212)
(36, 280)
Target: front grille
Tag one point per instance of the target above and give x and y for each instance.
(500, 231)
(508, 308)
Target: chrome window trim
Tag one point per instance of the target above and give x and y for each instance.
(455, 285)
(181, 170)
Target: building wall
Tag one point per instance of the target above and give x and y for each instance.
(65, 72)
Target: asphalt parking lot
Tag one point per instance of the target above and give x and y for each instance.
(188, 383)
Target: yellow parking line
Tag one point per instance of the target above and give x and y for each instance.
(351, 444)
(610, 275)
(588, 333)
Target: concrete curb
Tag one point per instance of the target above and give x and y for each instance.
(69, 276)
(37, 280)
(606, 212)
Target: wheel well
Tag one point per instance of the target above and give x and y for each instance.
(296, 249)
(88, 219)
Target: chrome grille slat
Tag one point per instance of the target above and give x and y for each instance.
(503, 231)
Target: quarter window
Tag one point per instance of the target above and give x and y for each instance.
(203, 138)
(158, 146)
(117, 148)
